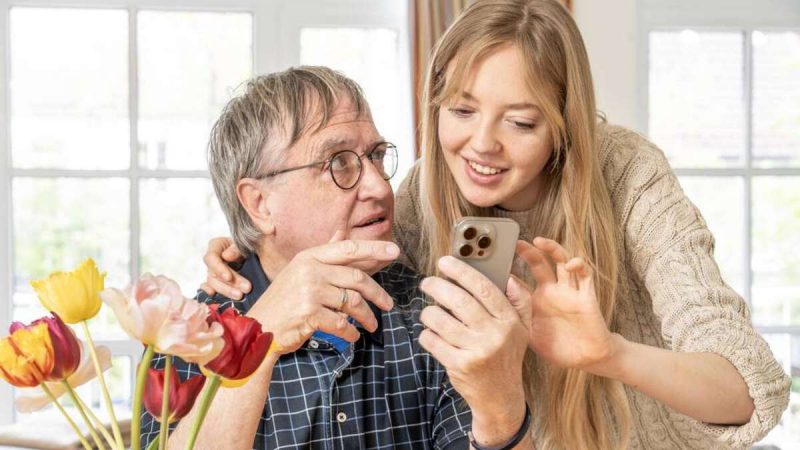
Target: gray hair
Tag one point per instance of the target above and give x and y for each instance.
(274, 109)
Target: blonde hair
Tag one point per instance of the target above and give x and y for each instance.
(583, 411)
(275, 108)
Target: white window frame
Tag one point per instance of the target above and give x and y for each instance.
(721, 15)
(273, 50)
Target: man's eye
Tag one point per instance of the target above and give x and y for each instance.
(340, 162)
(377, 155)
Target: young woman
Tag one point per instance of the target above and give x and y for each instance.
(634, 338)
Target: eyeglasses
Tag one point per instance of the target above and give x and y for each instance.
(346, 167)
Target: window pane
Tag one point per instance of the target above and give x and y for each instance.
(370, 56)
(189, 62)
(787, 351)
(696, 97)
(776, 99)
(776, 262)
(69, 88)
(721, 201)
(178, 216)
(58, 222)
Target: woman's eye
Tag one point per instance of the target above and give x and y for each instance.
(460, 112)
(523, 125)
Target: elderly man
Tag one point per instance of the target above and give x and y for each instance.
(299, 167)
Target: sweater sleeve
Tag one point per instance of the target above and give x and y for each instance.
(407, 221)
(670, 249)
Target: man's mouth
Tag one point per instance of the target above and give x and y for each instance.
(371, 221)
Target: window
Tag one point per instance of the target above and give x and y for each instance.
(723, 101)
(109, 111)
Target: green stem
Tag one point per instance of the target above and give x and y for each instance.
(141, 379)
(53, 399)
(78, 404)
(98, 423)
(162, 444)
(209, 391)
(101, 379)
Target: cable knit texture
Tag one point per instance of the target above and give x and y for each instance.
(671, 293)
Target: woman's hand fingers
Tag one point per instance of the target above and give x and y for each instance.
(538, 265)
(558, 254)
(583, 272)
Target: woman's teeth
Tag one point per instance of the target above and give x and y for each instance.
(485, 170)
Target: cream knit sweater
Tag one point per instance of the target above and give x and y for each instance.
(671, 294)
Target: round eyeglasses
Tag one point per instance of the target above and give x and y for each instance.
(346, 167)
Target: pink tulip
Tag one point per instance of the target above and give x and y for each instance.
(154, 312)
(33, 399)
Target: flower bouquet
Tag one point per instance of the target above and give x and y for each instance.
(47, 357)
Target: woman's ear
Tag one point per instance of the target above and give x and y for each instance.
(253, 198)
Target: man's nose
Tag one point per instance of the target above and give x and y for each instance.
(372, 184)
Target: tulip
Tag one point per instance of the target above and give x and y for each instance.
(31, 400)
(154, 312)
(66, 347)
(181, 394)
(72, 295)
(246, 345)
(26, 356)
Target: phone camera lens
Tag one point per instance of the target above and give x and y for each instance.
(470, 233)
(465, 250)
(484, 242)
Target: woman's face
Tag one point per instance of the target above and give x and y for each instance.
(494, 136)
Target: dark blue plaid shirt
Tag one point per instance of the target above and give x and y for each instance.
(382, 392)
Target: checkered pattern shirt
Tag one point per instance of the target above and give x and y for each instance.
(383, 392)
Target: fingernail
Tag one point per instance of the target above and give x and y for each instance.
(392, 250)
(237, 294)
(243, 286)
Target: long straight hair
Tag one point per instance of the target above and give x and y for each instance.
(583, 411)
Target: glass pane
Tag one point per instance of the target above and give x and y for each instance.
(721, 201)
(776, 263)
(178, 217)
(69, 88)
(189, 62)
(696, 97)
(787, 351)
(370, 56)
(776, 99)
(58, 222)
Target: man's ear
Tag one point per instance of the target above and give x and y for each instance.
(253, 198)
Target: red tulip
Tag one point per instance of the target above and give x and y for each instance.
(66, 347)
(181, 395)
(244, 350)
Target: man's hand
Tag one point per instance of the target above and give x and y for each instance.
(306, 296)
(476, 333)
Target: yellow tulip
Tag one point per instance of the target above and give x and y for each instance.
(26, 356)
(72, 295)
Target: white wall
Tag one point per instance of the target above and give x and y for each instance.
(609, 29)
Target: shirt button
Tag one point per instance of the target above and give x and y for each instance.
(339, 375)
(313, 344)
(341, 417)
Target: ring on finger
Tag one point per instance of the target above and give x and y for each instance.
(343, 299)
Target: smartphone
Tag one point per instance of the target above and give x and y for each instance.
(488, 245)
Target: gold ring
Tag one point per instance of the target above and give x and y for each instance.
(343, 300)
